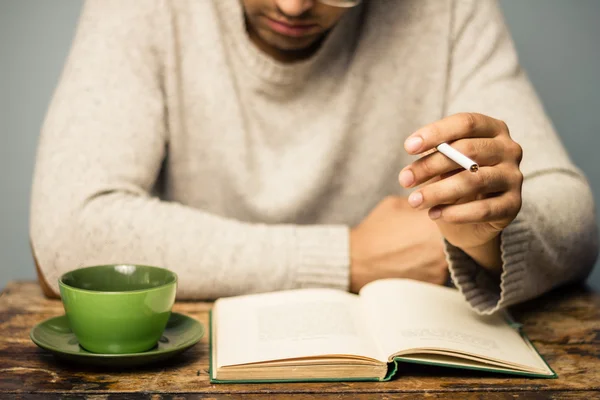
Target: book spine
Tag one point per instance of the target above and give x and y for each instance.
(391, 372)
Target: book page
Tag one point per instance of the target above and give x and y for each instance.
(289, 324)
(407, 314)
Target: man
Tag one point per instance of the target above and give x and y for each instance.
(258, 145)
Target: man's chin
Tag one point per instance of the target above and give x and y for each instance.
(291, 45)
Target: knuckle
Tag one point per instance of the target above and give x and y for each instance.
(485, 211)
(515, 177)
(518, 206)
(518, 152)
(513, 149)
(430, 194)
(506, 209)
(470, 148)
(504, 212)
(515, 203)
(451, 217)
(427, 166)
(479, 180)
(468, 121)
(434, 133)
(503, 127)
(519, 177)
(456, 188)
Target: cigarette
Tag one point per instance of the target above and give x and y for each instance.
(458, 157)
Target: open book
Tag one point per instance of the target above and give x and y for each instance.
(327, 334)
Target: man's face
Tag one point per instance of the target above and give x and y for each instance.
(290, 25)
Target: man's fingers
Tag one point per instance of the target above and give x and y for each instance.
(452, 128)
(494, 209)
(462, 185)
(486, 152)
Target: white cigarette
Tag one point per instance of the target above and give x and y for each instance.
(458, 157)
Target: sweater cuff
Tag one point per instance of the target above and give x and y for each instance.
(484, 293)
(323, 257)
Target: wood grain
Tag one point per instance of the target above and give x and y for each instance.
(564, 326)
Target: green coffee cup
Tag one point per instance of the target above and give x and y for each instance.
(118, 309)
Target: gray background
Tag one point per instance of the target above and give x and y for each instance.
(558, 42)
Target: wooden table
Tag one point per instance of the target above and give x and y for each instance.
(564, 326)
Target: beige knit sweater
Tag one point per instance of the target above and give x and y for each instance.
(173, 141)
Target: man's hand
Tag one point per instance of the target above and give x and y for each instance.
(396, 241)
(470, 209)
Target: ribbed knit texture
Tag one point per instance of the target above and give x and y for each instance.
(173, 141)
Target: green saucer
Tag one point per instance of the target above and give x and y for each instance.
(55, 335)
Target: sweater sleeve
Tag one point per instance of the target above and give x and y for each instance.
(554, 239)
(100, 152)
